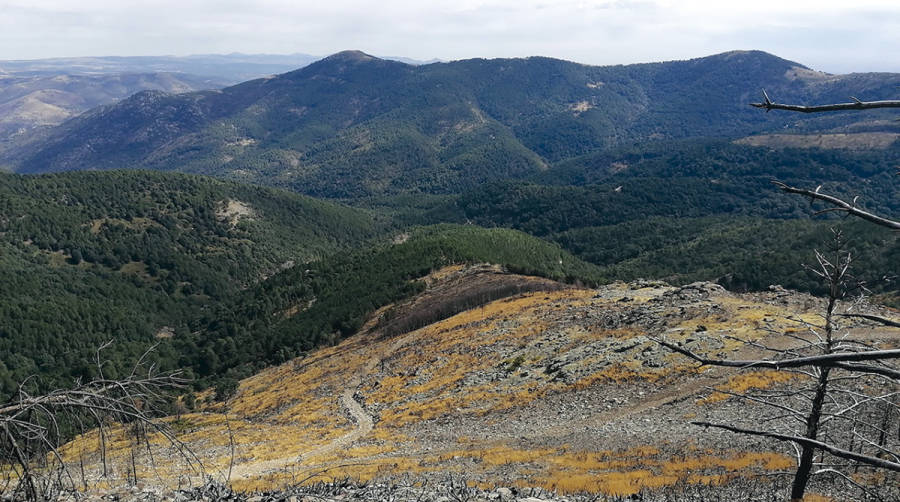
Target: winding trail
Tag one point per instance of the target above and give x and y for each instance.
(364, 424)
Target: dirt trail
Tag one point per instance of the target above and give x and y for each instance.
(364, 424)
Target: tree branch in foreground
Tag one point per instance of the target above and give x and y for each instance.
(874, 318)
(840, 205)
(32, 426)
(820, 360)
(837, 452)
(768, 104)
(868, 368)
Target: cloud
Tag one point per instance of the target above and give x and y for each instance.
(832, 36)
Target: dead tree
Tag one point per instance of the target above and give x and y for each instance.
(845, 382)
(34, 427)
(847, 408)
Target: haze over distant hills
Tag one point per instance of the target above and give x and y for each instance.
(230, 68)
(354, 125)
(45, 92)
(30, 101)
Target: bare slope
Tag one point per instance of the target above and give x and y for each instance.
(560, 389)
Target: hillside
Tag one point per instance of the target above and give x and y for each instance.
(323, 302)
(687, 211)
(559, 388)
(29, 102)
(352, 125)
(135, 257)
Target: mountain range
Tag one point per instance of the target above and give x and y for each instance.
(229, 68)
(352, 125)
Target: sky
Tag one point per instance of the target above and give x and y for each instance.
(832, 36)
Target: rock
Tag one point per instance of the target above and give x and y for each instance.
(504, 493)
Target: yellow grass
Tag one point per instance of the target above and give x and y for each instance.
(746, 381)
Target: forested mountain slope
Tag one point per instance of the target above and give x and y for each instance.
(202, 267)
(352, 125)
(688, 210)
(302, 308)
(134, 256)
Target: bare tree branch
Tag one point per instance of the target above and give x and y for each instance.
(824, 360)
(834, 450)
(840, 205)
(768, 104)
(867, 368)
(874, 318)
(33, 426)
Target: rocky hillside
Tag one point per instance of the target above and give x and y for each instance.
(551, 386)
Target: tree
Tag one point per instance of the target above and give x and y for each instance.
(34, 427)
(848, 410)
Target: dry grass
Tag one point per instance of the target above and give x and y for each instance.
(744, 382)
(428, 374)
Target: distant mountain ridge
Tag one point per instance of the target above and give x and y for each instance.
(230, 68)
(32, 101)
(353, 125)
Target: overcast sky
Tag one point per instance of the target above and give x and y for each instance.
(838, 37)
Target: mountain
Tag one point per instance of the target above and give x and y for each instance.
(352, 125)
(136, 257)
(28, 102)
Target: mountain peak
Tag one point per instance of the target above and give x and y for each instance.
(345, 63)
(754, 56)
(351, 56)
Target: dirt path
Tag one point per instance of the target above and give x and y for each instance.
(364, 424)
(363, 420)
